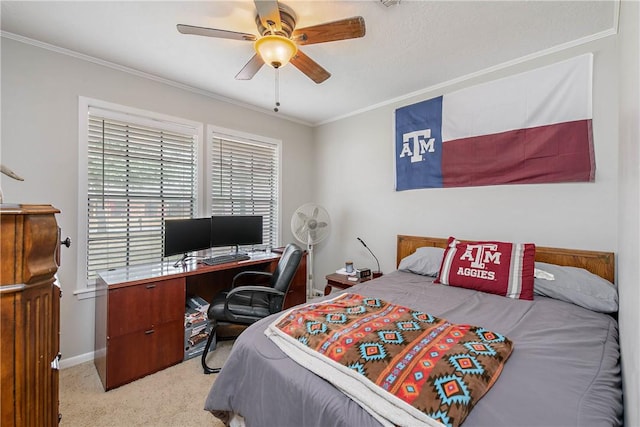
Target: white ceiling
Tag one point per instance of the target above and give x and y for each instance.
(407, 48)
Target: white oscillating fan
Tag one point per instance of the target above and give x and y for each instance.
(310, 225)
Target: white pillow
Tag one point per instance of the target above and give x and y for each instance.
(425, 261)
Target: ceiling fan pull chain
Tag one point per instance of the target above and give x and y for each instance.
(277, 90)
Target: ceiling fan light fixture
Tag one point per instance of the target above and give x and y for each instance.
(275, 50)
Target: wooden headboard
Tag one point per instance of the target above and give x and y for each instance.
(600, 263)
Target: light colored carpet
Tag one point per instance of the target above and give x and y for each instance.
(172, 397)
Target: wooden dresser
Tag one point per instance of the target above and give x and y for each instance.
(30, 315)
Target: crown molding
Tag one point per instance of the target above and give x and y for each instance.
(435, 88)
(145, 75)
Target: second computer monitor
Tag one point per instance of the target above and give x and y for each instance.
(236, 230)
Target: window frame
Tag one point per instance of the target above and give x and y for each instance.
(214, 131)
(84, 288)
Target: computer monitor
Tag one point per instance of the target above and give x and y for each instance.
(236, 230)
(186, 235)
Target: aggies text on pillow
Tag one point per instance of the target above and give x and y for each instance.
(494, 267)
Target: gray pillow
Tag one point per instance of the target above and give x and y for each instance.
(425, 261)
(577, 286)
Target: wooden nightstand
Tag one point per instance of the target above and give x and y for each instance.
(340, 281)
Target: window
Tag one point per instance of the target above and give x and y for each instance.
(245, 178)
(140, 171)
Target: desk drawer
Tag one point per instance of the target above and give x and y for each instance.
(132, 356)
(142, 307)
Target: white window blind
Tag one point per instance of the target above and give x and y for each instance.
(245, 181)
(139, 173)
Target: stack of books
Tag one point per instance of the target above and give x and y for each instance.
(197, 326)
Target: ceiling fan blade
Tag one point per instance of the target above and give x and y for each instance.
(349, 28)
(212, 32)
(309, 67)
(251, 68)
(269, 13)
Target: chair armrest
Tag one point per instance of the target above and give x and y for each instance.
(253, 289)
(249, 273)
(262, 289)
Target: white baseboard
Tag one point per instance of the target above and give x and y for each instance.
(76, 360)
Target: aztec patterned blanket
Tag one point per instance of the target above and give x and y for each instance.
(403, 366)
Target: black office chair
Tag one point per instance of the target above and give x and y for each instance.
(247, 304)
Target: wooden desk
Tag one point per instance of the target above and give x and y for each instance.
(139, 325)
(340, 281)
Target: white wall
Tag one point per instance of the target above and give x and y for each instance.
(355, 181)
(629, 226)
(40, 90)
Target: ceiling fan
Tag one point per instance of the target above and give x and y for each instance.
(279, 39)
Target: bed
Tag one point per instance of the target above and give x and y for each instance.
(564, 369)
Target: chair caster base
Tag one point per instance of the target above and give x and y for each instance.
(207, 370)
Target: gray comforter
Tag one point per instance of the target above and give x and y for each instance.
(564, 370)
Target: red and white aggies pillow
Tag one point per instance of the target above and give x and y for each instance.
(494, 267)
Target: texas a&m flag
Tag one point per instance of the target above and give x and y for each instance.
(533, 127)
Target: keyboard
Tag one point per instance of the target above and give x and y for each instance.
(223, 259)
